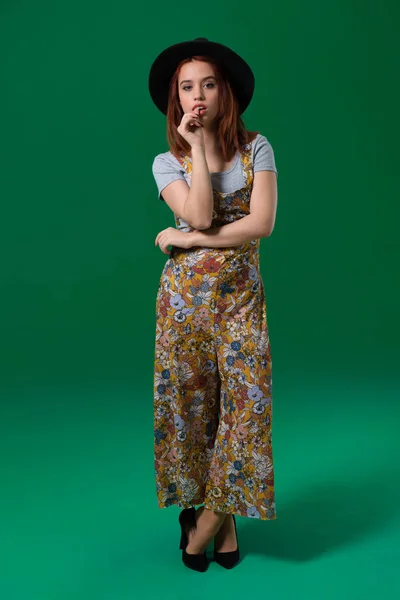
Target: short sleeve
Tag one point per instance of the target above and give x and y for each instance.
(166, 169)
(263, 155)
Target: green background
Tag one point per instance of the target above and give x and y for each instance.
(79, 277)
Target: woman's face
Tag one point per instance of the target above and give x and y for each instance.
(197, 86)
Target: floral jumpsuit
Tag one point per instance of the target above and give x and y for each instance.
(212, 372)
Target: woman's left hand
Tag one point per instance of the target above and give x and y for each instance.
(174, 237)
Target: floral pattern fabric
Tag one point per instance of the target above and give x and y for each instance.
(212, 373)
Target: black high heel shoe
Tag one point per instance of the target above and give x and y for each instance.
(187, 521)
(228, 559)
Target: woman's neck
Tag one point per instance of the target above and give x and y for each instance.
(211, 142)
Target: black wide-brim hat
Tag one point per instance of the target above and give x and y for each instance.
(236, 69)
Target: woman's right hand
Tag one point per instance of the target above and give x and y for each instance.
(191, 129)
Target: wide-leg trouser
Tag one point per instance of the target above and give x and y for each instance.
(213, 385)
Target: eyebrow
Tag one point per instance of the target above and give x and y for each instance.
(191, 81)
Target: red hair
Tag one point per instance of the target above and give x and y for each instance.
(231, 130)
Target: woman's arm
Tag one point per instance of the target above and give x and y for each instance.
(258, 224)
(233, 234)
(199, 202)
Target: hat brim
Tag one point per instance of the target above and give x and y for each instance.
(237, 70)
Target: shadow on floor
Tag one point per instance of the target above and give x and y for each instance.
(323, 517)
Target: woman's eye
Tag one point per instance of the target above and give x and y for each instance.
(187, 87)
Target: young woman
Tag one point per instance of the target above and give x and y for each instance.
(212, 370)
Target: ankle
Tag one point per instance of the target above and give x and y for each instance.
(211, 521)
(199, 512)
(208, 524)
(226, 524)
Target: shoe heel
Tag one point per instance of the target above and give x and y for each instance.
(184, 538)
(197, 562)
(183, 542)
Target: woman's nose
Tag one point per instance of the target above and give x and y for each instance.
(199, 95)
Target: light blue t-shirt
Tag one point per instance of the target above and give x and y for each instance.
(166, 168)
